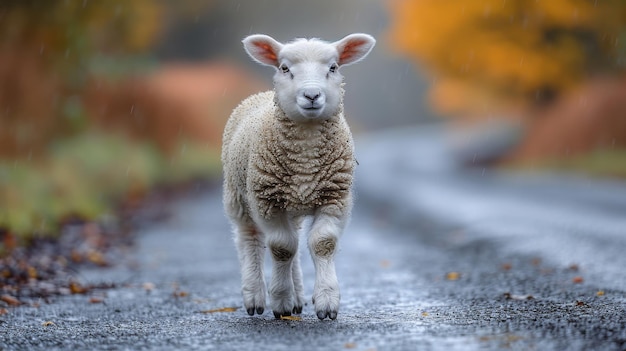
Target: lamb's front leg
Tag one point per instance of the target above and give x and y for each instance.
(322, 241)
(282, 242)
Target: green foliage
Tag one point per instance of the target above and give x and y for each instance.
(86, 175)
(609, 163)
(55, 159)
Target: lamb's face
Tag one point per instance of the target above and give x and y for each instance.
(307, 80)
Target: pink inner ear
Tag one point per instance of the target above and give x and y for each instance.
(266, 50)
(350, 49)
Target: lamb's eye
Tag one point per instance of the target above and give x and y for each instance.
(333, 68)
(284, 68)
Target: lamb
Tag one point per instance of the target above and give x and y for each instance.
(287, 154)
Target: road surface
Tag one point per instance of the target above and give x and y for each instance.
(436, 258)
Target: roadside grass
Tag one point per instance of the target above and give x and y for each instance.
(604, 163)
(87, 175)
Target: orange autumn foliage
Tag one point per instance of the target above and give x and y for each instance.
(488, 55)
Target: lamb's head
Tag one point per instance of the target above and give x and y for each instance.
(307, 81)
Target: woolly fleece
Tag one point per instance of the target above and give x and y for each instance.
(280, 165)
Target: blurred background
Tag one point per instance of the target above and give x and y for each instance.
(103, 100)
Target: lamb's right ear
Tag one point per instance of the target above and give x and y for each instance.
(263, 49)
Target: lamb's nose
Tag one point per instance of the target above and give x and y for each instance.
(312, 94)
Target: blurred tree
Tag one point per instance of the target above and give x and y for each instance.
(46, 52)
(490, 54)
(53, 146)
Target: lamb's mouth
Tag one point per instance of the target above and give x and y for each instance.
(311, 112)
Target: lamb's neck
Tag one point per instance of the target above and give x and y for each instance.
(309, 145)
(309, 130)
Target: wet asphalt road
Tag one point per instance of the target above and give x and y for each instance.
(435, 258)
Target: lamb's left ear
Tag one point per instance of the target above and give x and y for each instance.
(263, 49)
(354, 47)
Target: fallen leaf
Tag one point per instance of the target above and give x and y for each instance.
(453, 275)
(600, 293)
(510, 296)
(350, 345)
(581, 303)
(536, 261)
(225, 309)
(76, 256)
(424, 314)
(573, 267)
(385, 263)
(506, 266)
(577, 280)
(10, 300)
(3, 311)
(148, 286)
(76, 288)
(96, 299)
(291, 318)
(181, 294)
(48, 324)
(97, 257)
(32, 272)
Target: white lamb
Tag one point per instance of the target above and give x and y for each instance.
(288, 153)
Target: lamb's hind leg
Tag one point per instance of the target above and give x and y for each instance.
(251, 250)
(296, 273)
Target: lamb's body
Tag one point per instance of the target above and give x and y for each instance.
(295, 167)
(288, 153)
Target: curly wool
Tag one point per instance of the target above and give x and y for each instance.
(273, 164)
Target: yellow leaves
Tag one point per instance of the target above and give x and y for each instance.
(600, 293)
(290, 318)
(48, 324)
(96, 299)
(10, 300)
(453, 276)
(180, 294)
(220, 310)
(489, 52)
(77, 288)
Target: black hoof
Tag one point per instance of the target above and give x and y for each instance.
(251, 310)
(330, 314)
(297, 310)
